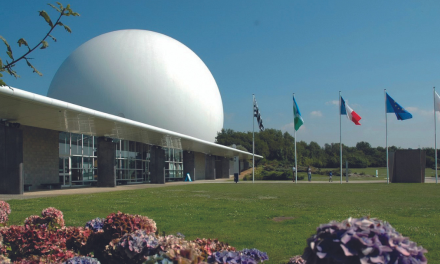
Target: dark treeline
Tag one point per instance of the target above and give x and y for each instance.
(272, 144)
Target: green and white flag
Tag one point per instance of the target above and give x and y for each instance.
(298, 120)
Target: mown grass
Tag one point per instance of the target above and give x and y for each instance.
(242, 214)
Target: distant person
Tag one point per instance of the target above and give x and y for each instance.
(330, 174)
(309, 173)
(294, 171)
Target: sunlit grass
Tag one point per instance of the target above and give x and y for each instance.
(242, 214)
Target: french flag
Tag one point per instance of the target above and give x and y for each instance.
(352, 115)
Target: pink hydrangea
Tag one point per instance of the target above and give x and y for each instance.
(4, 206)
(31, 220)
(54, 214)
(3, 217)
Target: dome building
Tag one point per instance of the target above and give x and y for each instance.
(126, 107)
(143, 76)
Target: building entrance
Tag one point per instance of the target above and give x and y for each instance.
(64, 172)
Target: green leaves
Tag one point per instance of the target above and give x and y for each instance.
(9, 52)
(22, 41)
(33, 68)
(61, 6)
(54, 39)
(45, 44)
(67, 29)
(54, 7)
(46, 17)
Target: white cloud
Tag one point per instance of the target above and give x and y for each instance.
(334, 102)
(316, 114)
(419, 111)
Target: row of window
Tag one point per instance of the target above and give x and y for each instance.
(78, 163)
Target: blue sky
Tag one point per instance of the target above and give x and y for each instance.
(273, 49)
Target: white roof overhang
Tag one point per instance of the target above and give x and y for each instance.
(29, 109)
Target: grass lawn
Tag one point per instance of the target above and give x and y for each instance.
(242, 214)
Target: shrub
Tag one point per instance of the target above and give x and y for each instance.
(82, 260)
(362, 240)
(131, 248)
(208, 246)
(5, 211)
(119, 224)
(179, 250)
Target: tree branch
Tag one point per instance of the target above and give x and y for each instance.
(11, 64)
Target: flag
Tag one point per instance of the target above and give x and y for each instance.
(393, 107)
(351, 115)
(258, 116)
(436, 102)
(298, 120)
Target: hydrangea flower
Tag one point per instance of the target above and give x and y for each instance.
(362, 240)
(255, 254)
(55, 214)
(96, 224)
(230, 257)
(137, 242)
(4, 206)
(82, 260)
(3, 217)
(31, 220)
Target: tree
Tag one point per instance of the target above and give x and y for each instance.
(8, 67)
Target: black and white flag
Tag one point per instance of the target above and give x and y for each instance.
(258, 116)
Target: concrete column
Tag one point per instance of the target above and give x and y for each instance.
(157, 164)
(188, 164)
(106, 163)
(11, 156)
(209, 167)
(200, 165)
(222, 168)
(40, 156)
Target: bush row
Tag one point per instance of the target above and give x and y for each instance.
(123, 238)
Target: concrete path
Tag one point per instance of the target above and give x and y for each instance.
(88, 190)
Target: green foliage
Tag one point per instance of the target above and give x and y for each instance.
(43, 44)
(273, 145)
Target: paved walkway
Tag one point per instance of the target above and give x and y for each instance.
(88, 190)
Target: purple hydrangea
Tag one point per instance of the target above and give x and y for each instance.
(96, 224)
(138, 242)
(82, 260)
(231, 257)
(364, 240)
(255, 254)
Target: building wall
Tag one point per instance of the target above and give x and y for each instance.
(157, 164)
(199, 160)
(221, 167)
(210, 167)
(188, 164)
(106, 163)
(11, 159)
(40, 156)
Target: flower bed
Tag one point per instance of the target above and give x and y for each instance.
(124, 238)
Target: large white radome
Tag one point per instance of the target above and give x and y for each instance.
(145, 76)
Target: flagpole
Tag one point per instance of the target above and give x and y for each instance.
(340, 134)
(253, 138)
(294, 134)
(435, 139)
(386, 133)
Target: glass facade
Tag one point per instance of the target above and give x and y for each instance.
(173, 164)
(78, 161)
(132, 162)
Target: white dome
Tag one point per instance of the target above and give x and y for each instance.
(143, 76)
